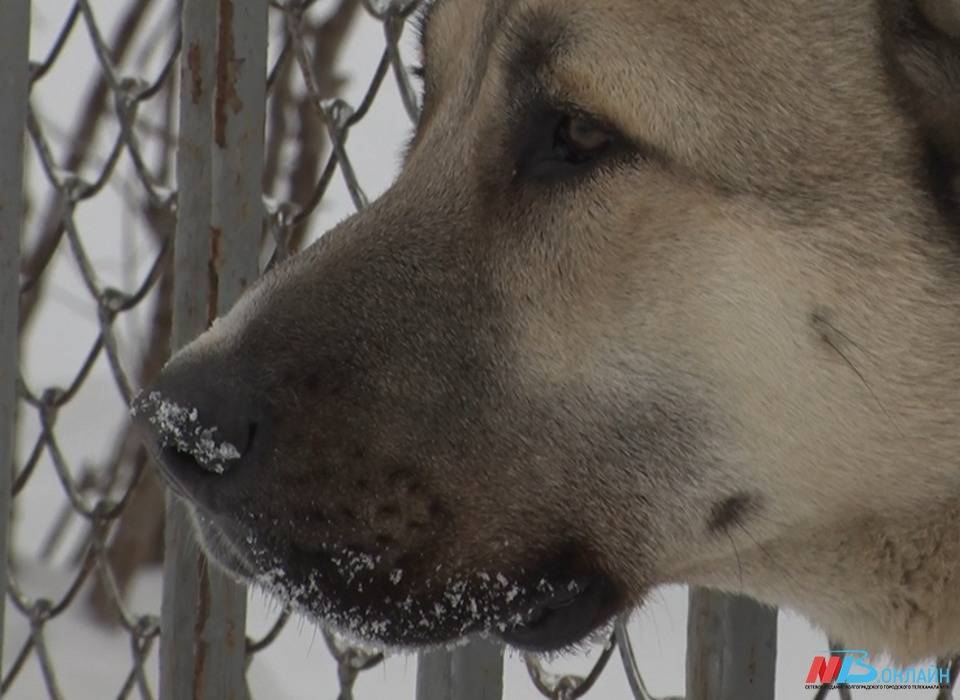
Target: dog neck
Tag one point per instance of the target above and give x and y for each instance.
(885, 584)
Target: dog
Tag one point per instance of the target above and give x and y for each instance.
(666, 292)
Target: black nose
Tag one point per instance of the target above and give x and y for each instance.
(199, 422)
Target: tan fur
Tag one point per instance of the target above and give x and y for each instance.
(767, 306)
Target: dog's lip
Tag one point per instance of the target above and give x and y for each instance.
(563, 619)
(223, 547)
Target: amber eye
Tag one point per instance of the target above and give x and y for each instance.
(579, 139)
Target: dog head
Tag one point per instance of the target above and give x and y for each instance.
(654, 273)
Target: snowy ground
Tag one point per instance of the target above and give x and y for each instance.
(90, 661)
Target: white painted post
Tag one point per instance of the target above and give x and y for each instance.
(471, 672)
(14, 87)
(731, 647)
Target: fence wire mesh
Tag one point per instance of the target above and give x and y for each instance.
(121, 143)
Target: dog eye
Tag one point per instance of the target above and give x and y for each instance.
(579, 139)
(558, 144)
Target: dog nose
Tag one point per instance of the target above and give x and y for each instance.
(198, 422)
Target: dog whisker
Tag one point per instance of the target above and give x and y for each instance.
(819, 320)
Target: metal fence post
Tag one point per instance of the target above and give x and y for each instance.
(183, 576)
(471, 672)
(236, 227)
(731, 647)
(219, 164)
(14, 80)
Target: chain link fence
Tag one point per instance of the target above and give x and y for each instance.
(179, 137)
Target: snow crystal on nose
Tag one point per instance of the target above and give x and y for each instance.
(178, 426)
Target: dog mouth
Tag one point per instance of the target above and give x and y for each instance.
(547, 617)
(565, 618)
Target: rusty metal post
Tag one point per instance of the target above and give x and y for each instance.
(14, 87)
(219, 164)
(183, 562)
(731, 647)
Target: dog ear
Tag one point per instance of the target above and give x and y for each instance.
(924, 46)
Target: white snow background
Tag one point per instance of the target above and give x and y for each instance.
(90, 661)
